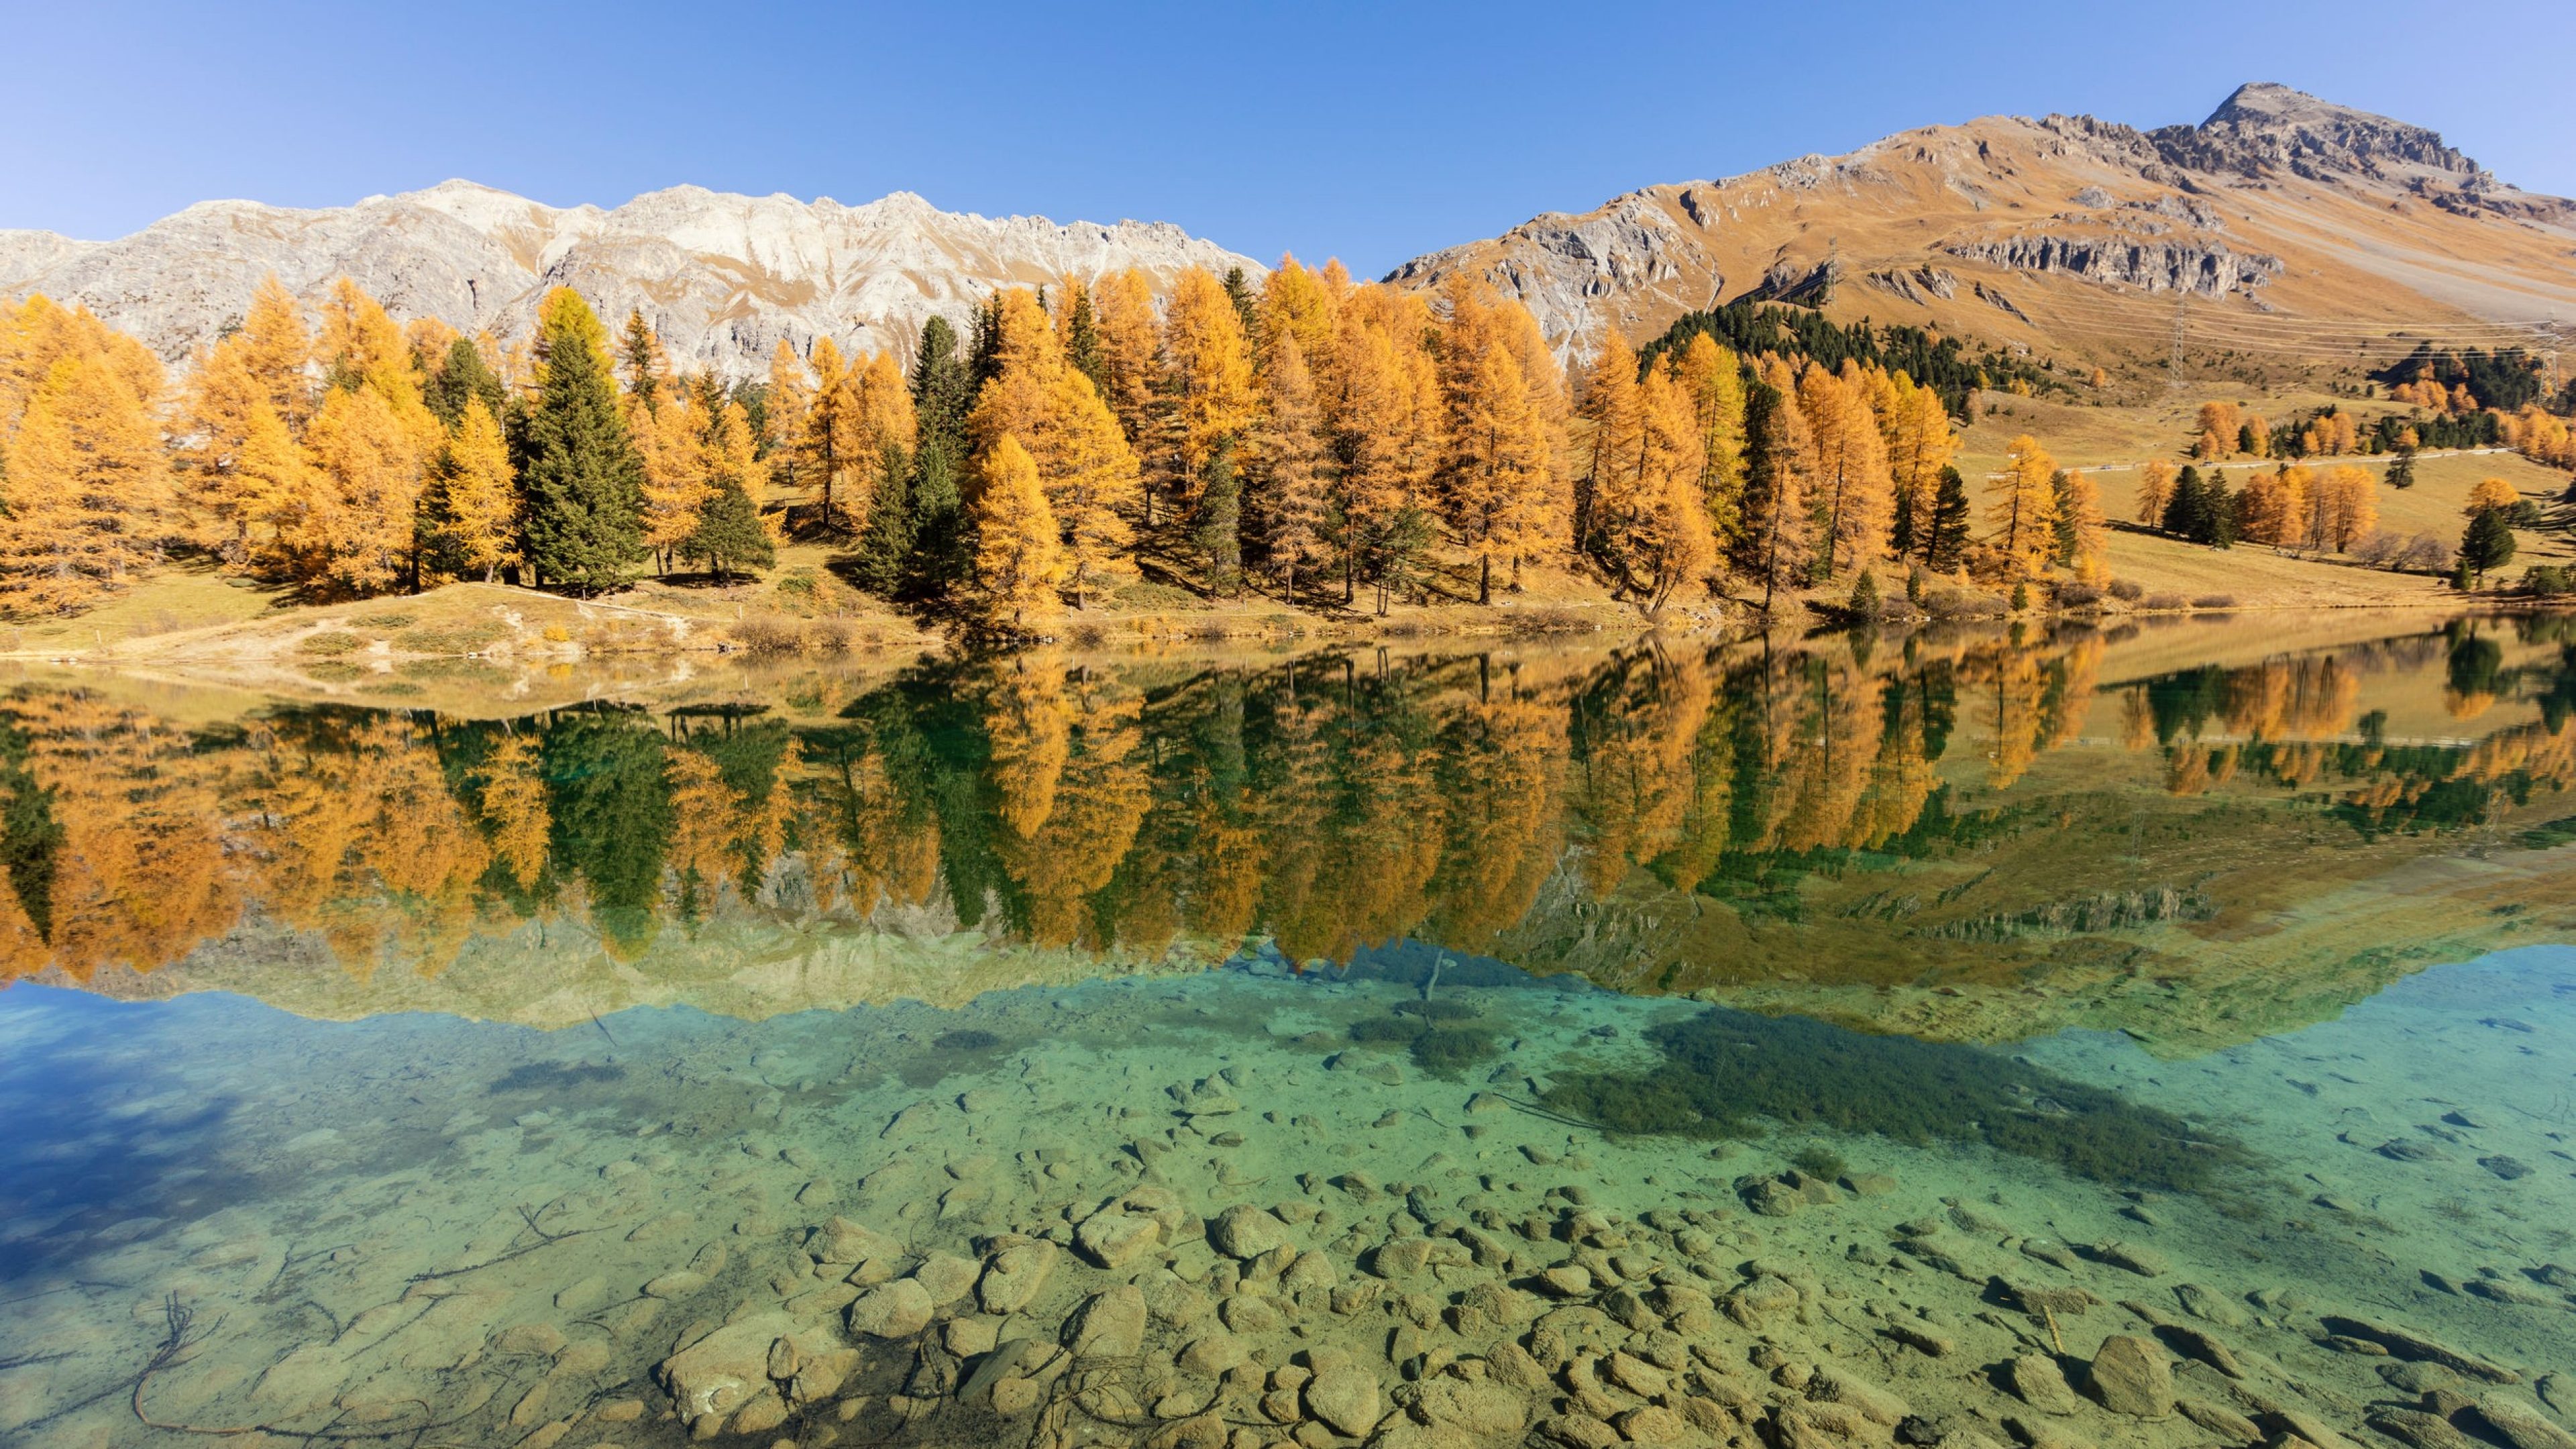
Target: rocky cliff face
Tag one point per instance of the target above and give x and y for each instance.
(724, 277)
(2266, 127)
(2278, 203)
(2203, 269)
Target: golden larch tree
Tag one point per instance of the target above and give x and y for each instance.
(1122, 309)
(2490, 493)
(790, 397)
(1209, 374)
(85, 489)
(669, 438)
(2353, 514)
(1295, 303)
(2022, 508)
(1291, 465)
(2155, 490)
(832, 451)
(355, 533)
(479, 507)
(1609, 404)
(1916, 427)
(1091, 479)
(1848, 467)
(1027, 360)
(1712, 377)
(1018, 560)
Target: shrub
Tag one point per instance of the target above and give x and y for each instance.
(2165, 601)
(1962, 604)
(1864, 596)
(2127, 591)
(558, 634)
(2426, 553)
(2214, 601)
(2548, 581)
(329, 644)
(829, 637)
(766, 634)
(2074, 595)
(2020, 597)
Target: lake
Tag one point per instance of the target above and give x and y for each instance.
(2157, 1036)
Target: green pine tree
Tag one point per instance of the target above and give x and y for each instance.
(940, 545)
(943, 387)
(1220, 521)
(2186, 504)
(636, 349)
(885, 545)
(1238, 290)
(585, 484)
(984, 349)
(730, 536)
(462, 375)
(1082, 341)
(1945, 543)
(2213, 521)
(2401, 474)
(2488, 543)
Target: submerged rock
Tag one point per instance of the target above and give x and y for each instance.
(2130, 1375)
(2039, 1382)
(1345, 1397)
(1013, 1277)
(898, 1309)
(1245, 1231)
(1109, 1324)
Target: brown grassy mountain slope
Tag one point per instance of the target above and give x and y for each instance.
(2293, 231)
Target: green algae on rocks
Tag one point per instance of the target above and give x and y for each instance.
(1724, 1070)
(1434, 1033)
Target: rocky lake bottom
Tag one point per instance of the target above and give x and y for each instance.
(1236, 1208)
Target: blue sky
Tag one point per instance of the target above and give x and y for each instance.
(1369, 132)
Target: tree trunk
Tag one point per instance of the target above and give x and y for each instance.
(1485, 579)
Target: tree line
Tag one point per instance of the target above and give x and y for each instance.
(1320, 440)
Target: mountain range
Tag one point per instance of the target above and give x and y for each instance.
(723, 277)
(2283, 227)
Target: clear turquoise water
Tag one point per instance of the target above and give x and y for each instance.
(390, 1078)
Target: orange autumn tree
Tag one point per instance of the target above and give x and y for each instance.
(86, 495)
(1018, 560)
(2021, 508)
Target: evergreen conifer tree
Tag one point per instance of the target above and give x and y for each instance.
(1220, 519)
(730, 535)
(1947, 540)
(943, 390)
(885, 544)
(941, 547)
(1082, 340)
(585, 484)
(463, 375)
(1238, 290)
(2185, 502)
(2488, 543)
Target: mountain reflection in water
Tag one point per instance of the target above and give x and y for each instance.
(1975, 838)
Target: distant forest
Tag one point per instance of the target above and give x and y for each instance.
(1942, 364)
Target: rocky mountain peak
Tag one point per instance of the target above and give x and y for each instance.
(2266, 126)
